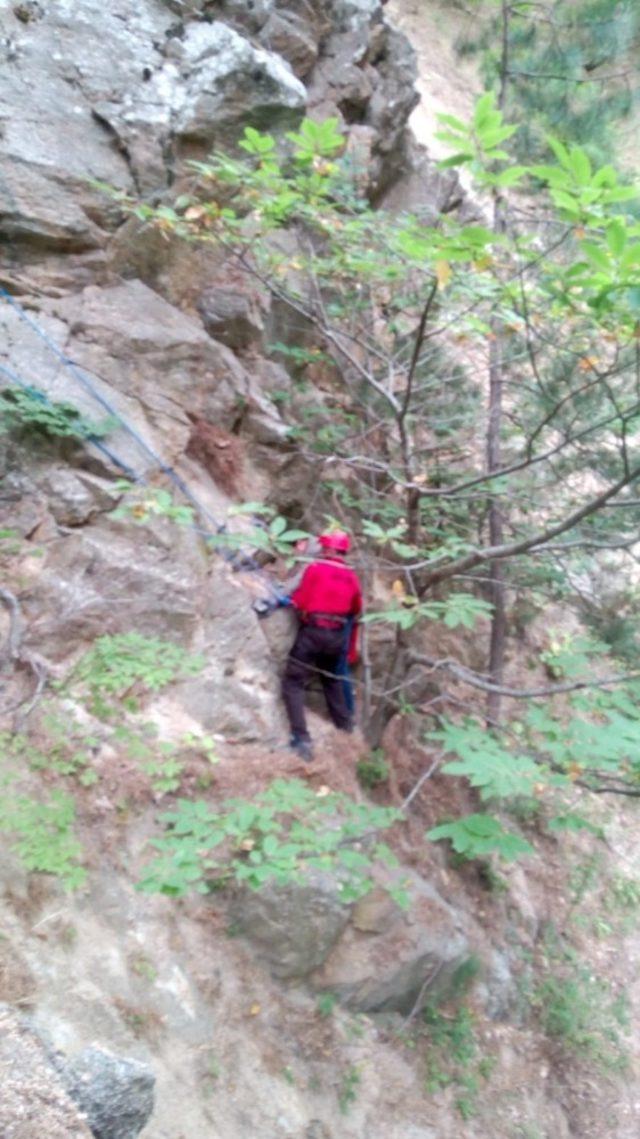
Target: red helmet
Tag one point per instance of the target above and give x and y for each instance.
(338, 540)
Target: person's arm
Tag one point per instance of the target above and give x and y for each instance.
(302, 594)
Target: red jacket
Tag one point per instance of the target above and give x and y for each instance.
(330, 586)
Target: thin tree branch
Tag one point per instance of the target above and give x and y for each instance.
(474, 680)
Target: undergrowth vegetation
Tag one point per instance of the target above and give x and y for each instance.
(285, 834)
(27, 412)
(578, 1007)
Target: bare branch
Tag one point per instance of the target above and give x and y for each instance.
(474, 680)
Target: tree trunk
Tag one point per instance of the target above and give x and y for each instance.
(494, 456)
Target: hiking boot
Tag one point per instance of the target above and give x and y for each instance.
(302, 747)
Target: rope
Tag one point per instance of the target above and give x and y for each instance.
(238, 561)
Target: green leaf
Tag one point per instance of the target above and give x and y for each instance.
(487, 765)
(457, 159)
(567, 203)
(255, 142)
(484, 109)
(560, 151)
(616, 237)
(573, 822)
(597, 255)
(510, 177)
(476, 836)
(631, 256)
(452, 121)
(580, 165)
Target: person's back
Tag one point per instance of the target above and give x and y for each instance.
(328, 600)
(328, 586)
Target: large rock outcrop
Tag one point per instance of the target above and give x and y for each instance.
(118, 95)
(103, 93)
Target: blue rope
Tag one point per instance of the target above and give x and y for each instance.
(238, 562)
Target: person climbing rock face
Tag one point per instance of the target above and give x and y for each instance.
(328, 601)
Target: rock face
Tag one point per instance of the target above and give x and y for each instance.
(125, 95)
(93, 92)
(231, 316)
(118, 94)
(228, 81)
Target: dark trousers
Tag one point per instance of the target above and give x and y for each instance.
(321, 650)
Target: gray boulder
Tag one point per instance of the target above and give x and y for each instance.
(222, 79)
(231, 316)
(392, 960)
(75, 498)
(292, 38)
(293, 928)
(366, 76)
(247, 15)
(109, 93)
(51, 140)
(350, 15)
(115, 1094)
(104, 579)
(33, 1101)
(428, 192)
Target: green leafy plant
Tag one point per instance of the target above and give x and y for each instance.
(162, 760)
(325, 1003)
(29, 412)
(373, 771)
(41, 833)
(143, 967)
(578, 1008)
(165, 772)
(269, 532)
(63, 749)
(459, 610)
(495, 769)
(476, 836)
(143, 503)
(348, 1090)
(10, 542)
(453, 1056)
(285, 833)
(117, 663)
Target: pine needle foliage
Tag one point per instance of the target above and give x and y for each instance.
(571, 71)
